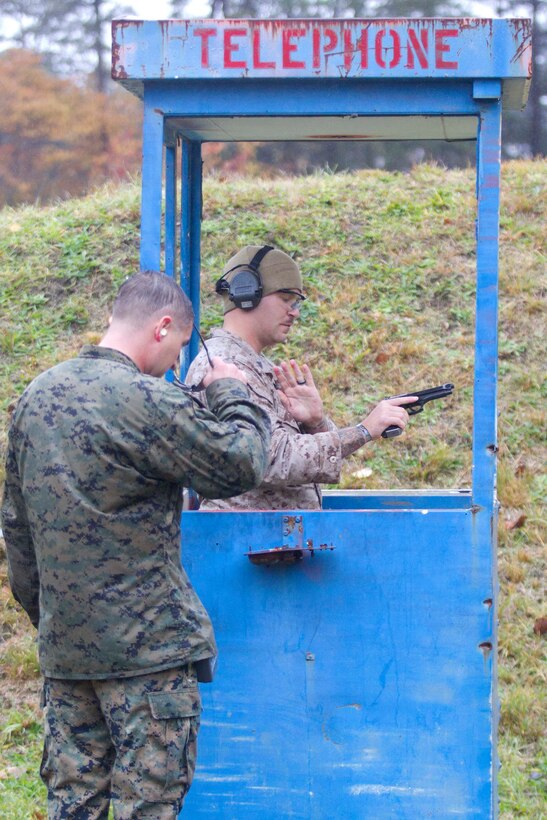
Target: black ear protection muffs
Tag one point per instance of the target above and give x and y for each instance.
(245, 287)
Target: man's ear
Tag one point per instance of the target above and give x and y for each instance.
(161, 328)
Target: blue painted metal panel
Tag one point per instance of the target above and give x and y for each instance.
(185, 220)
(185, 235)
(486, 334)
(485, 420)
(272, 98)
(191, 182)
(394, 49)
(352, 684)
(195, 239)
(152, 177)
(397, 500)
(170, 208)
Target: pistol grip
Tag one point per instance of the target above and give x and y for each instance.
(392, 431)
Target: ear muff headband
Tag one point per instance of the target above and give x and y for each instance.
(245, 287)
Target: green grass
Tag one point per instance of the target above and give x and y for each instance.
(22, 795)
(389, 265)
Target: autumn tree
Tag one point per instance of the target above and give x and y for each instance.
(51, 133)
(71, 35)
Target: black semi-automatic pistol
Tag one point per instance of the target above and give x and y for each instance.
(417, 406)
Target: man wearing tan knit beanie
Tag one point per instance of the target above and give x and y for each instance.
(261, 289)
(276, 272)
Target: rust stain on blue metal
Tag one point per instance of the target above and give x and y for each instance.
(522, 36)
(397, 47)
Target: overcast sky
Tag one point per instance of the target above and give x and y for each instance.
(159, 9)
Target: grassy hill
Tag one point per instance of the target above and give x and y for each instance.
(389, 264)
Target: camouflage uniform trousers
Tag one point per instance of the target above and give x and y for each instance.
(132, 741)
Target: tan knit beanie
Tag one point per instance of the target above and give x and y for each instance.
(277, 271)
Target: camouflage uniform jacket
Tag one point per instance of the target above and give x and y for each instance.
(298, 462)
(98, 453)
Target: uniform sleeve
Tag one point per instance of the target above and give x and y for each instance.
(197, 369)
(303, 459)
(219, 452)
(22, 567)
(331, 425)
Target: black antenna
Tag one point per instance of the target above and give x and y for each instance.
(195, 388)
(202, 340)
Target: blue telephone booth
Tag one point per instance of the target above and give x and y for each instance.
(359, 681)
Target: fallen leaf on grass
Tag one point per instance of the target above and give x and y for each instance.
(382, 358)
(519, 521)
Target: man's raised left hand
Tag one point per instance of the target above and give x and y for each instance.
(299, 394)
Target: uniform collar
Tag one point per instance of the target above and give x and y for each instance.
(107, 353)
(249, 351)
(237, 340)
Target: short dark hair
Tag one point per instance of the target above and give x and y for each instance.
(146, 293)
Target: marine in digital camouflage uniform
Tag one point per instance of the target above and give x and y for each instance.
(261, 289)
(99, 451)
